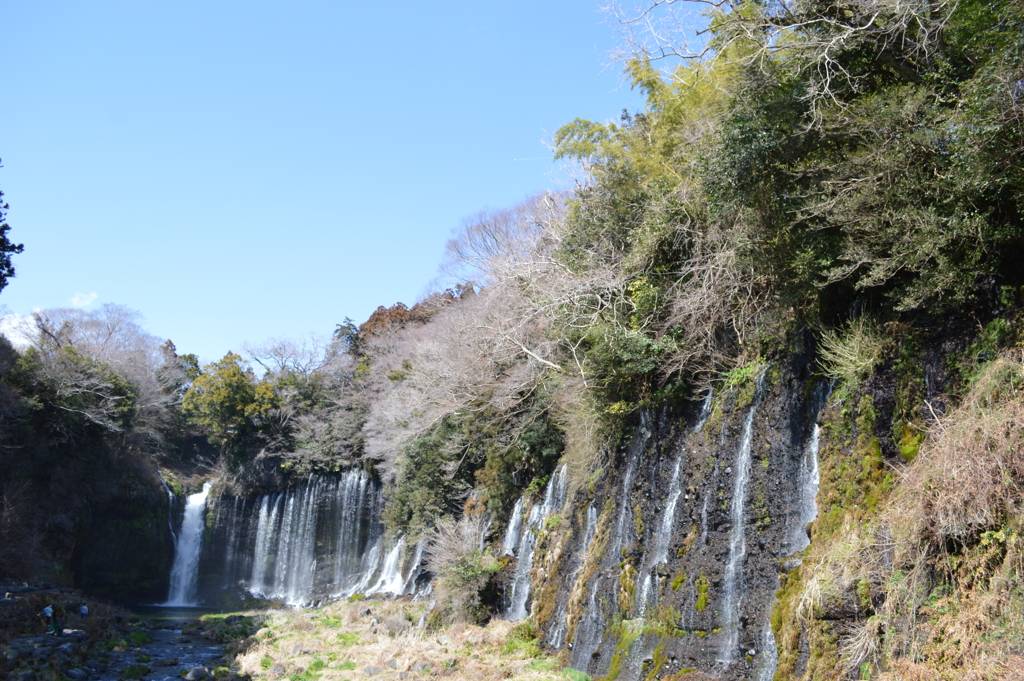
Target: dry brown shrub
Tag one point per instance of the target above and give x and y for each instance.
(861, 645)
(302, 624)
(970, 473)
(953, 521)
(456, 555)
(478, 650)
(905, 670)
(577, 413)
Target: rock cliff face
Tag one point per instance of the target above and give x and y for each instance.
(669, 559)
(97, 520)
(124, 549)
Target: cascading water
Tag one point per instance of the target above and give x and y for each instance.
(171, 499)
(768, 663)
(323, 538)
(557, 636)
(660, 540)
(415, 569)
(663, 535)
(807, 509)
(515, 526)
(554, 499)
(185, 572)
(705, 412)
(285, 560)
(733, 577)
(391, 580)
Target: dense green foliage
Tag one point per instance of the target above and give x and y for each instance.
(229, 404)
(7, 247)
(826, 160)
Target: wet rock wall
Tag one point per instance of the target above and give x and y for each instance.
(669, 559)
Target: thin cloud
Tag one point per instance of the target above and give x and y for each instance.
(83, 299)
(19, 329)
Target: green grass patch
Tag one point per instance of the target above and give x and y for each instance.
(702, 593)
(347, 639)
(543, 664)
(575, 674)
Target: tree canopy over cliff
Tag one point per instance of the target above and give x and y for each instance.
(808, 164)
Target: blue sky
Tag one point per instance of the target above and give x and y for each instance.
(242, 171)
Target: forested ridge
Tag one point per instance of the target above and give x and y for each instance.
(844, 180)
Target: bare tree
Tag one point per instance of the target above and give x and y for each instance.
(491, 241)
(72, 344)
(305, 359)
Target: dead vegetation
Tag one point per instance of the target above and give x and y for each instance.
(383, 639)
(462, 567)
(933, 587)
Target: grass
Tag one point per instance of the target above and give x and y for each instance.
(575, 674)
(933, 559)
(850, 354)
(341, 641)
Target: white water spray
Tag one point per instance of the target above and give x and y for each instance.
(733, 577)
(554, 499)
(185, 573)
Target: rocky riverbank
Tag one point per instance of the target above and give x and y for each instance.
(110, 644)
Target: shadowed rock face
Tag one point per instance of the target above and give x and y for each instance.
(124, 549)
(693, 590)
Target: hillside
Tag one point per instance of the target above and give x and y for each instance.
(744, 403)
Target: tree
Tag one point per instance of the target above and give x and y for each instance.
(303, 371)
(7, 247)
(114, 337)
(230, 405)
(84, 395)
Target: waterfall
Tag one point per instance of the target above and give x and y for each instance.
(627, 484)
(323, 538)
(733, 578)
(660, 540)
(591, 629)
(356, 543)
(185, 572)
(391, 579)
(231, 547)
(663, 534)
(588, 532)
(415, 568)
(170, 511)
(705, 412)
(554, 499)
(556, 639)
(515, 526)
(768, 658)
(807, 509)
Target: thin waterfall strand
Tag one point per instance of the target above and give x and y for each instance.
(554, 499)
(733, 578)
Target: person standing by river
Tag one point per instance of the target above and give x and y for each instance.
(60, 618)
